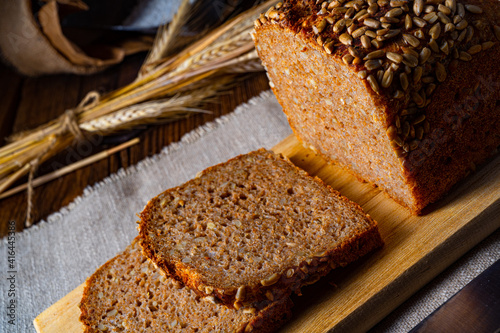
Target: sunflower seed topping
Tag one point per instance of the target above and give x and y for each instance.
(339, 26)
(345, 39)
(464, 56)
(474, 9)
(411, 40)
(347, 59)
(403, 79)
(375, 55)
(395, 57)
(365, 41)
(387, 78)
(440, 72)
(372, 23)
(418, 7)
(373, 64)
(419, 22)
(474, 49)
(373, 83)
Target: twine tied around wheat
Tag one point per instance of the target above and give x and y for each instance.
(68, 123)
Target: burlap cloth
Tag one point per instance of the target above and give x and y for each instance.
(57, 255)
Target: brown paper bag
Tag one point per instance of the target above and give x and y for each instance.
(41, 48)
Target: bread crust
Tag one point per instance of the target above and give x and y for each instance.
(258, 295)
(269, 319)
(462, 126)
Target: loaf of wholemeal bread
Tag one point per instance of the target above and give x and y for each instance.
(253, 230)
(128, 294)
(405, 94)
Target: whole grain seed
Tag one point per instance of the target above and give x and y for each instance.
(403, 79)
(385, 19)
(434, 46)
(414, 144)
(398, 141)
(357, 61)
(461, 25)
(445, 48)
(352, 51)
(270, 280)
(395, 57)
(419, 133)
(395, 67)
(435, 31)
(410, 60)
(427, 79)
(392, 33)
(443, 18)
(373, 83)
(440, 72)
(397, 121)
(487, 45)
(399, 94)
(350, 12)
(417, 74)
(383, 3)
(380, 75)
(417, 98)
(382, 32)
(411, 40)
(454, 34)
(408, 22)
(339, 10)
(347, 59)
(372, 23)
(371, 33)
(456, 19)
(474, 49)
(362, 74)
(455, 53)
(419, 34)
(397, 3)
(431, 17)
(474, 9)
(330, 19)
(373, 64)
(241, 294)
(360, 14)
(329, 47)
(391, 132)
(460, 10)
(429, 9)
(496, 30)
(289, 273)
(387, 78)
(365, 41)
(395, 12)
(405, 8)
(418, 119)
(449, 27)
(405, 130)
(318, 28)
(419, 22)
(385, 25)
(375, 55)
(372, 9)
(377, 44)
(452, 4)
(443, 9)
(418, 7)
(339, 26)
(469, 34)
(351, 28)
(359, 32)
(345, 39)
(462, 35)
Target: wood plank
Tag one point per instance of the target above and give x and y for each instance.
(417, 248)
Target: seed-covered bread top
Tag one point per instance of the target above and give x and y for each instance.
(253, 230)
(129, 294)
(401, 49)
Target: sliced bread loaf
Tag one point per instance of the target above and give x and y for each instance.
(128, 294)
(253, 230)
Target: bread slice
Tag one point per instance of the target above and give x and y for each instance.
(405, 98)
(253, 230)
(129, 294)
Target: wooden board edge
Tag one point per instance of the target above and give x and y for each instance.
(66, 307)
(424, 271)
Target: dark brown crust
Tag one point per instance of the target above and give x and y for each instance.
(267, 320)
(306, 273)
(464, 125)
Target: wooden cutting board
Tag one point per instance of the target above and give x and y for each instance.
(355, 298)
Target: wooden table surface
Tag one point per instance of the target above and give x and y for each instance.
(29, 102)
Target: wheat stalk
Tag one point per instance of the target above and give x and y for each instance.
(164, 39)
(172, 88)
